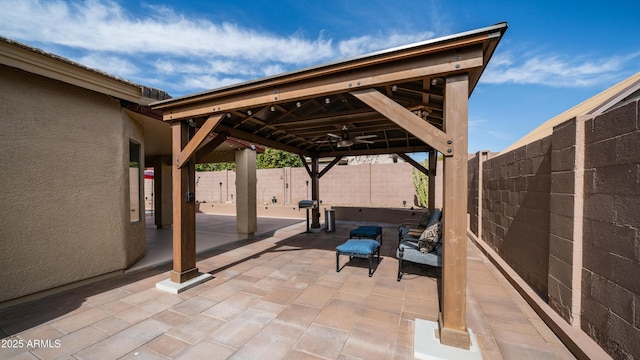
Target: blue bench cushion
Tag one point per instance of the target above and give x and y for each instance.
(366, 231)
(357, 246)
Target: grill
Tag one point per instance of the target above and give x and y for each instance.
(307, 204)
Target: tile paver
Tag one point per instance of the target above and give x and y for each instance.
(277, 297)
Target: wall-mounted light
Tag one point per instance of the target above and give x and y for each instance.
(298, 104)
(249, 112)
(327, 100)
(273, 108)
(394, 88)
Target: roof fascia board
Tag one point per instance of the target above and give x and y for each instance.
(443, 64)
(33, 62)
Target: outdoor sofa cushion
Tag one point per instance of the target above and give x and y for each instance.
(403, 230)
(411, 252)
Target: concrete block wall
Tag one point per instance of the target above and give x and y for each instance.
(563, 212)
(473, 177)
(562, 236)
(384, 185)
(516, 198)
(210, 190)
(611, 274)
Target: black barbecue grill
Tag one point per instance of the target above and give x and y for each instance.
(307, 204)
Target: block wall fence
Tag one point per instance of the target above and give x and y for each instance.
(375, 185)
(564, 213)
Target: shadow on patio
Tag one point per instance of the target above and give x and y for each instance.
(277, 296)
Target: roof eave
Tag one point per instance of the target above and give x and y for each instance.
(33, 60)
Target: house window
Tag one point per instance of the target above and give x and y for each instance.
(135, 185)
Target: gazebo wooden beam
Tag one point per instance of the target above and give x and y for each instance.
(330, 165)
(211, 145)
(406, 119)
(190, 149)
(445, 62)
(406, 149)
(261, 140)
(415, 164)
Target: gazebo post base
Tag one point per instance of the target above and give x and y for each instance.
(173, 287)
(453, 337)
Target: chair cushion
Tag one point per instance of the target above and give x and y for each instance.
(366, 231)
(413, 254)
(435, 216)
(357, 246)
(424, 219)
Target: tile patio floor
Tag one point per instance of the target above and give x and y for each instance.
(275, 296)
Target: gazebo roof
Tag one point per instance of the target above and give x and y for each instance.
(318, 111)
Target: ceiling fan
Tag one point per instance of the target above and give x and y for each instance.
(343, 140)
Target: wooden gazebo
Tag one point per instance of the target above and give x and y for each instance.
(407, 99)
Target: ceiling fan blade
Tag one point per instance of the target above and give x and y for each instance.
(334, 136)
(365, 137)
(364, 141)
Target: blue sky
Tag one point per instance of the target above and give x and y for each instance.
(554, 55)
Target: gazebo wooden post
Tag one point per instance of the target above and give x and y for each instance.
(452, 319)
(184, 211)
(315, 191)
(433, 162)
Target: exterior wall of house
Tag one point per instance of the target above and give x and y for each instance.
(563, 212)
(134, 240)
(64, 185)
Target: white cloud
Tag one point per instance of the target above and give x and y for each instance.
(105, 26)
(179, 53)
(110, 64)
(554, 70)
(368, 43)
(206, 82)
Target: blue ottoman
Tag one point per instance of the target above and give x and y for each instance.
(366, 232)
(362, 248)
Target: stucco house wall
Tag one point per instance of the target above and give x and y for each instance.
(64, 188)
